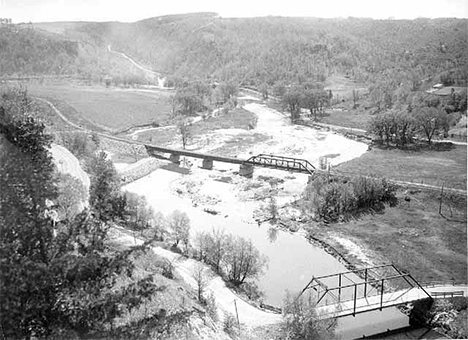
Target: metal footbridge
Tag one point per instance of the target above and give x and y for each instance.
(369, 289)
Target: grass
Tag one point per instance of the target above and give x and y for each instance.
(109, 107)
(237, 118)
(413, 236)
(347, 118)
(159, 137)
(46, 115)
(427, 166)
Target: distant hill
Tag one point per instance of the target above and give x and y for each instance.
(275, 49)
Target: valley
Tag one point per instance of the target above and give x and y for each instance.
(221, 250)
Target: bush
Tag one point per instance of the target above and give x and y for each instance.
(81, 145)
(301, 322)
(230, 325)
(211, 308)
(339, 199)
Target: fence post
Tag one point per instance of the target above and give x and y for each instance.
(381, 294)
(441, 198)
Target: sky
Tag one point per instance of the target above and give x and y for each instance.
(133, 10)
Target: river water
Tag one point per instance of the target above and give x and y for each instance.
(292, 260)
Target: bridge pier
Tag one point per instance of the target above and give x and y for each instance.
(175, 158)
(246, 170)
(207, 164)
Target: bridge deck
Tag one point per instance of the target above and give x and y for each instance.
(371, 303)
(194, 154)
(390, 299)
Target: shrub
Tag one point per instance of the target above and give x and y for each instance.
(230, 324)
(340, 199)
(301, 322)
(211, 308)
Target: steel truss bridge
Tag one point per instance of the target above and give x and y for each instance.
(368, 289)
(282, 163)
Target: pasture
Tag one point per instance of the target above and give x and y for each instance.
(109, 108)
(433, 167)
(412, 235)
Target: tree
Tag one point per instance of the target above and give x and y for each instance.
(26, 181)
(187, 101)
(184, 127)
(72, 196)
(315, 100)
(300, 322)
(226, 90)
(264, 91)
(104, 188)
(242, 260)
(179, 222)
(355, 98)
(174, 103)
(292, 100)
(52, 281)
(200, 276)
(395, 127)
(138, 214)
(201, 243)
(217, 248)
(430, 120)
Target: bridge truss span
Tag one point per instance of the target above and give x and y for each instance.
(282, 163)
(363, 290)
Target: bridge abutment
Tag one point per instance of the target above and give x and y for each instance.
(246, 170)
(175, 158)
(207, 164)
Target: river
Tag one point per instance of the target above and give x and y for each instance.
(292, 260)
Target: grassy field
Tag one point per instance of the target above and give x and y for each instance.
(112, 108)
(342, 87)
(347, 118)
(427, 166)
(413, 236)
(237, 118)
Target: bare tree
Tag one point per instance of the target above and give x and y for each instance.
(200, 275)
(301, 322)
(217, 249)
(242, 260)
(180, 225)
(184, 127)
(201, 243)
(430, 120)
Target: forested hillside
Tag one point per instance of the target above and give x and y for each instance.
(26, 51)
(271, 49)
(254, 51)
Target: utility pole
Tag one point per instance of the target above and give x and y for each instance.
(237, 314)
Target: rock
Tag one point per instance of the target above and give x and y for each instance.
(211, 211)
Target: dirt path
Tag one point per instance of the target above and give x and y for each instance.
(147, 70)
(249, 315)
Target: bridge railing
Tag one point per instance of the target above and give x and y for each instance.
(282, 162)
(443, 295)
